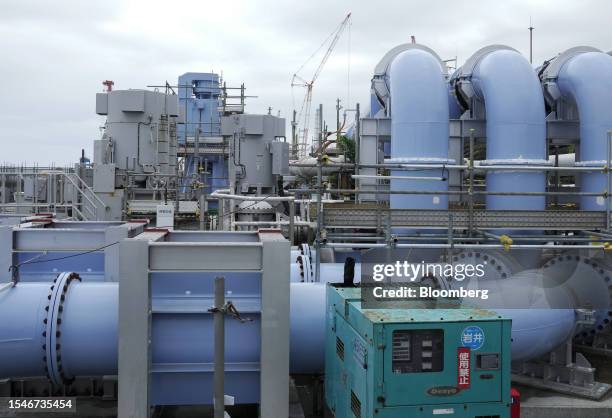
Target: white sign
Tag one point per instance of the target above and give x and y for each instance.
(165, 216)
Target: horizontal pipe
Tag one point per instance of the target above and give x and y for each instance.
(88, 341)
(367, 176)
(466, 167)
(468, 246)
(449, 192)
(217, 195)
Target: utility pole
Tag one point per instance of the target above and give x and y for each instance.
(294, 144)
(338, 107)
(530, 42)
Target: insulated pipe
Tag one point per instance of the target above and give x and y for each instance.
(57, 332)
(87, 342)
(584, 78)
(515, 123)
(506, 83)
(419, 126)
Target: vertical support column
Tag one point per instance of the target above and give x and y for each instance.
(6, 252)
(291, 221)
(3, 189)
(134, 330)
(113, 234)
(274, 376)
(219, 324)
(357, 139)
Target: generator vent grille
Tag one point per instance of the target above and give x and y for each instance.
(340, 348)
(355, 405)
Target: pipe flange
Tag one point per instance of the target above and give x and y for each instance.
(496, 264)
(52, 332)
(305, 249)
(308, 273)
(569, 264)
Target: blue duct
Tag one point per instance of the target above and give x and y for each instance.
(516, 124)
(419, 126)
(586, 80)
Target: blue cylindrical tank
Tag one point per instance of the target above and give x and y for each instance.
(419, 127)
(516, 126)
(586, 80)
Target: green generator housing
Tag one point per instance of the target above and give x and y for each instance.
(409, 363)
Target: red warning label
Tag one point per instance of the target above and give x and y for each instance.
(463, 368)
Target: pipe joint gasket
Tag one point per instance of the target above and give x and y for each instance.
(52, 328)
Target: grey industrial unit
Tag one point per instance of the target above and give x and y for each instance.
(137, 154)
(258, 152)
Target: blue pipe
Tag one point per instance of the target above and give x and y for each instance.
(516, 126)
(419, 126)
(88, 332)
(586, 80)
(87, 343)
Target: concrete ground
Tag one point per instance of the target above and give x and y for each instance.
(537, 403)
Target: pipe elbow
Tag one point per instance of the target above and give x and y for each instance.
(514, 105)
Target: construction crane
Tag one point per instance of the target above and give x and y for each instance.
(299, 81)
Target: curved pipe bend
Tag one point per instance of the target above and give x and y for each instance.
(504, 80)
(419, 126)
(585, 79)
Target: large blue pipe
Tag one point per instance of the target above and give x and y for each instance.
(516, 126)
(88, 332)
(87, 343)
(586, 80)
(419, 126)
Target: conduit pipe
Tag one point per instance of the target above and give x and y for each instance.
(419, 126)
(504, 80)
(582, 76)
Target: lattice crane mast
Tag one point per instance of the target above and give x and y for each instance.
(299, 81)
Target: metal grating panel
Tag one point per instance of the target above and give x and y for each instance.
(550, 220)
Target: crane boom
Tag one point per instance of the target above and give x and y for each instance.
(297, 80)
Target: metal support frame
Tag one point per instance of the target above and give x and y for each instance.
(219, 324)
(134, 330)
(559, 373)
(203, 252)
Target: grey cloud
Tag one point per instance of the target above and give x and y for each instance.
(55, 54)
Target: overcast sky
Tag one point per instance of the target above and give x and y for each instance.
(55, 54)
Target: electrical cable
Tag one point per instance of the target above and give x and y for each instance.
(34, 260)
